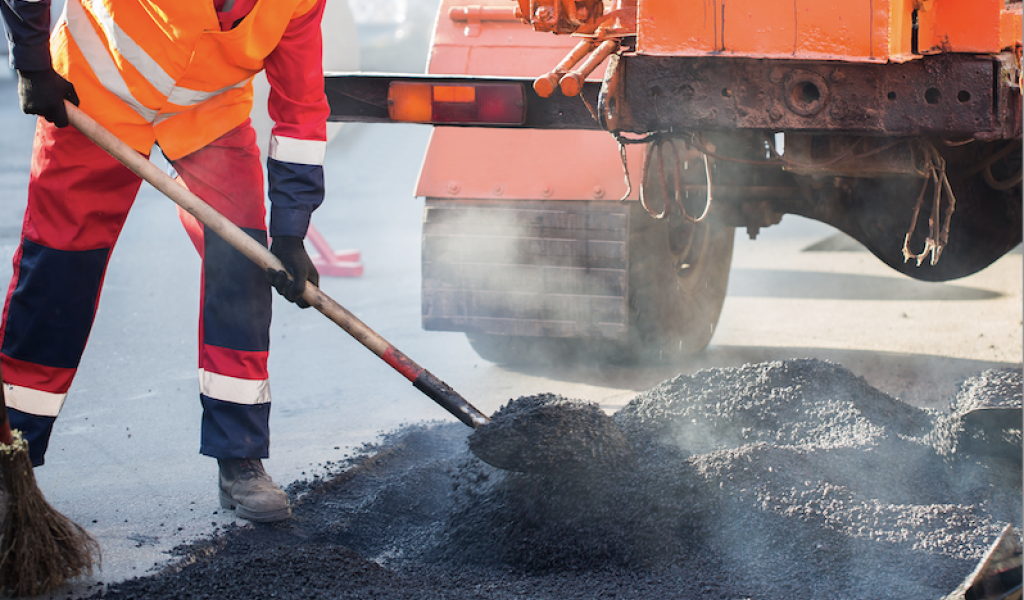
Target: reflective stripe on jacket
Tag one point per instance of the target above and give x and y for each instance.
(162, 70)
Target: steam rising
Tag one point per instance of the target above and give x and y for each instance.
(552, 269)
(776, 480)
(779, 480)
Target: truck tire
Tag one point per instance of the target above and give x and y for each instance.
(678, 276)
(677, 284)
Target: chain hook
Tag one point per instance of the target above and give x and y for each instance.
(938, 223)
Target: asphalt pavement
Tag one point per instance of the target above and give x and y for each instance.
(124, 461)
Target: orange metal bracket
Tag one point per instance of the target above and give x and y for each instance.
(572, 82)
(545, 84)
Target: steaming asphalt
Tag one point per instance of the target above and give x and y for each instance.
(124, 458)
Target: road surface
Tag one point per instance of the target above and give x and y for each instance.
(124, 458)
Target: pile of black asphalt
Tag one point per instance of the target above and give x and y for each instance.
(780, 480)
(551, 435)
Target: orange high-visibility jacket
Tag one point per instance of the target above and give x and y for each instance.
(162, 70)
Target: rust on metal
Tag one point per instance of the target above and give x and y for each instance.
(580, 17)
(947, 95)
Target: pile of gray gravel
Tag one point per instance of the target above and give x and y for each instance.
(780, 480)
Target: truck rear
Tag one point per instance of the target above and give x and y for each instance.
(590, 161)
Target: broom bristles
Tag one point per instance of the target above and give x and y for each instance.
(41, 549)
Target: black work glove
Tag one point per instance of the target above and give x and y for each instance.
(292, 253)
(43, 93)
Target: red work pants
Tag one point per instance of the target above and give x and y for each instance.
(78, 200)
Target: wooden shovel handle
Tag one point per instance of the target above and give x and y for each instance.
(259, 254)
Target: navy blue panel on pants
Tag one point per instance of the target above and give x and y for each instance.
(53, 306)
(235, 430)
(36, 431)
(237, 297)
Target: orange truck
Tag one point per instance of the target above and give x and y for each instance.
(590, 161)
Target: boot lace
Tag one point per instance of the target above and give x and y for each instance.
(250, 469)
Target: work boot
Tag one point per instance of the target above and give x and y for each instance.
(246, 488)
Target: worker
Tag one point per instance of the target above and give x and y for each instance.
(177, 75)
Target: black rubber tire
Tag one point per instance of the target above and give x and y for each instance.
(676, 295)
(676, 289)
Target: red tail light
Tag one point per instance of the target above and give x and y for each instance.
(469, 103)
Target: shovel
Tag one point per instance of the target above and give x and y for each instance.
(555, 439)
(422, 379)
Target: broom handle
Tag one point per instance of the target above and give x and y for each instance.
(422, 379)
(6, 436)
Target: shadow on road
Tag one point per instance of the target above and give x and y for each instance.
(811, 285)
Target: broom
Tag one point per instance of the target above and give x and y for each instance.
(40, 549)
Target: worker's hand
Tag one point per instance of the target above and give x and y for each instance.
(292, 253)
(43, 93)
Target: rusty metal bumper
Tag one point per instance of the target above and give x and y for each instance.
(950, 95)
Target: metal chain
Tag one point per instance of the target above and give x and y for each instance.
(624, 141)
(655, 154)
(938, 233)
